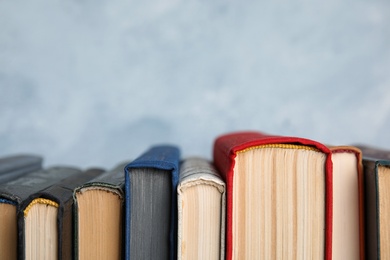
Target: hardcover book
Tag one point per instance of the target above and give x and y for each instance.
(201, 211)
(376, 165)
(98, 219)
(279, 196)
(151, 204)
(48, 219)
(348, 215)
(13, 194)
(14, 166)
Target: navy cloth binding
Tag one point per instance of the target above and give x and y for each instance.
(164, 157)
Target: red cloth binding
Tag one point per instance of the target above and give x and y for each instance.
(224, 153)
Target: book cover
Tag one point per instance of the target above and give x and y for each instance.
(201, 211)
(39, 244)
(14, 166)
(152, 180)
(230, 148)
(376, 168)
(13, 193)
(98, 216)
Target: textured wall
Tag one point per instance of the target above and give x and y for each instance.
(93, 83)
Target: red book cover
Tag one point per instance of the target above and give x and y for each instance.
(224, 153)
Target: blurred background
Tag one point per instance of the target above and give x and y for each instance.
(95, 83)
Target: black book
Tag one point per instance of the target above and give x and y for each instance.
(98, 216)
(47, 219)
(13, 195)
(376, 169)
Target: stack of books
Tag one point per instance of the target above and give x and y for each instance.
(260, 197)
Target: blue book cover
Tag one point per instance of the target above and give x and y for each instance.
(158, 161)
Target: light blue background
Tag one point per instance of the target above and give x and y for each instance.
(94, 83)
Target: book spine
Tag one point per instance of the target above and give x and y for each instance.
(371, 208)
(164, 157)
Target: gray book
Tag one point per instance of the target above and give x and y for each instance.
(150, 202)
(201, 211)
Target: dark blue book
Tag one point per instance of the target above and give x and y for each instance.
(151, 204)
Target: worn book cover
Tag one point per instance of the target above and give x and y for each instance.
(98, 216)
(201, 211)
(151, 204)
(40, 243)
(14, 193)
